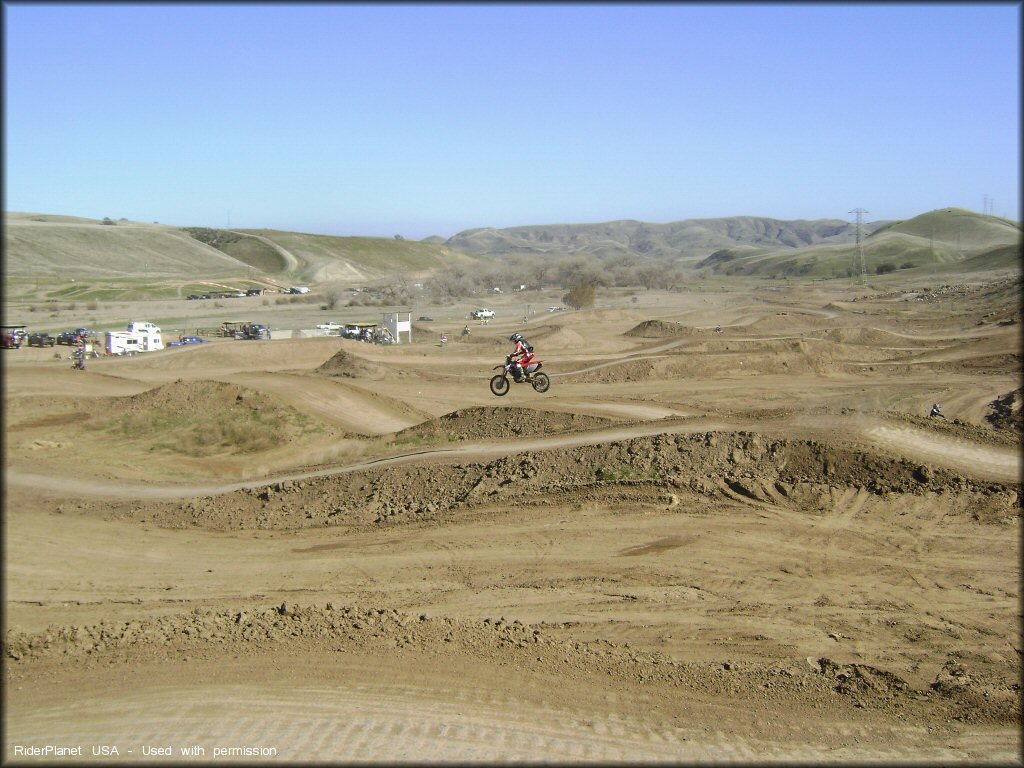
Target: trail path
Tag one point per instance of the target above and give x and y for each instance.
(969, 458)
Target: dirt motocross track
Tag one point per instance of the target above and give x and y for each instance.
(728, 532)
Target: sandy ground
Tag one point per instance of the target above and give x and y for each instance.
(746, 544)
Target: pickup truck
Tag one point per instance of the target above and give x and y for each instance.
(482, 314)
(41, 339)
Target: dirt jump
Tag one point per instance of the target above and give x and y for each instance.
(729, 531)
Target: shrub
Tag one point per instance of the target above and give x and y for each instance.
(581, 295)
(883, 269)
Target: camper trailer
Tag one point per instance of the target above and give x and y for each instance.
(121, 343)
(140, 337)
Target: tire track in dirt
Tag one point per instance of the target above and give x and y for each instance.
(405, 723)
(345, 405)
(987, 461)
(998, 463)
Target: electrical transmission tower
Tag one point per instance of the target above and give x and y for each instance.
(859, 213)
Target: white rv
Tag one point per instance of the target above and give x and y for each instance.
(140, 337)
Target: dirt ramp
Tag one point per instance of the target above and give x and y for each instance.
(872, 337)
(1006, 413)
(556, 337)
(789, 322)
(348, 365)
(660, 329)
(654, 472)
(498, 423)
(193, 397)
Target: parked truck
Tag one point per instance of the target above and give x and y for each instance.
(13, 336)
(243, 329)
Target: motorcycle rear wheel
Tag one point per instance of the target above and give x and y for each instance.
(499, 385)
(541, 382)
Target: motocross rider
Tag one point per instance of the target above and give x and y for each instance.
(521, 356)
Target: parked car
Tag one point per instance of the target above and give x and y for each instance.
(41, 339)
(482, 314)
(186, 340)
(66, 337)
(425, 319)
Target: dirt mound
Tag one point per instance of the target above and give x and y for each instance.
(870, 337)
(194, 397)
(740, 357)
(652, 471)
(659, 329)
(202, 418)
(1007, 415)
(789, 322)
(344, 363)
(555, 336)
(546, 336)
(963, 688)
(490, 423)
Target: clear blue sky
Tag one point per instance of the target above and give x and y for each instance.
(428, 119)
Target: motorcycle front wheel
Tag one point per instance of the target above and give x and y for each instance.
(541, 382)
(499, 385)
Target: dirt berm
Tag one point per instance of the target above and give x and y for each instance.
(659, 471)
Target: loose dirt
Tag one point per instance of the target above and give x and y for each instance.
(741, 545)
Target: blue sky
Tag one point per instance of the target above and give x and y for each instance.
(429, 119)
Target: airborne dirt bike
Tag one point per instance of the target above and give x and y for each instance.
(501, 382)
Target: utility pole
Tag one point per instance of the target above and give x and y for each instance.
(859, 213)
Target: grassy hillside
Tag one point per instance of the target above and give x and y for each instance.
(56, 247)
(69, 257)
(324, 258)
(951, 240)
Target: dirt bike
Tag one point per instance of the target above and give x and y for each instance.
(501, 383)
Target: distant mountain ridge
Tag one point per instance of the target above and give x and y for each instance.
(950, 239)
(686, 241)
(62, 248)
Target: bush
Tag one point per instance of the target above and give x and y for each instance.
(581, 296)
(883, 269)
